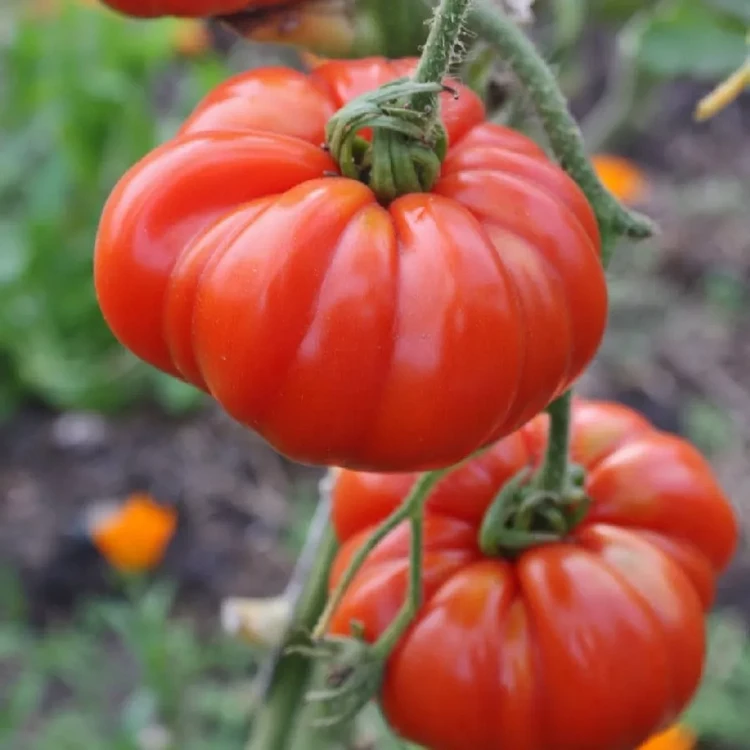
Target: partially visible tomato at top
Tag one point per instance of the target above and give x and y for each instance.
(346, 332)
(186, 8)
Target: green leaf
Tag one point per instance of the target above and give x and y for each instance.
(83, 97)
(719, 710)
(13, 254)
(707, 425)
(739, 9)
(691, 39)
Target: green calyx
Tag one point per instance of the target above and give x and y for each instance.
(407, 146)
(524, 515)
(351, 676)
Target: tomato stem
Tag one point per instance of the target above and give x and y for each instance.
(554, 473)
(440, 51)
(565, 138)
(391, 636)
(409, 141)
(410, 510)
(291, 672)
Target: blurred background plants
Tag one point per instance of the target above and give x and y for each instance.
(83, 95)
(655, 42)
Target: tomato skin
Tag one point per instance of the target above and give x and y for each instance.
(514, 654)
(186, 8)
(344, 332)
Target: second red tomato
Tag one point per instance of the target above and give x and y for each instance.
(594, 642)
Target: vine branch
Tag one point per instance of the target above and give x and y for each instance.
(286, 675)
(554, 472)
(440, 51)
(561, 129)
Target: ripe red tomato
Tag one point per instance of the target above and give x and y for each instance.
(187, 8)
(343, 331)
(594, 642)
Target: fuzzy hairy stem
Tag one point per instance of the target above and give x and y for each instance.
(562, 131)
(440, 51)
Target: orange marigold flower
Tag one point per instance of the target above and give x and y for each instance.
(676, 737)
(620, 176)
(135, 536)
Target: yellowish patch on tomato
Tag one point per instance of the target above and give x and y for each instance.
(311, 60)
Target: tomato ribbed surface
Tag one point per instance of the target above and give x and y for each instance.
(594, 642)
(343, 331)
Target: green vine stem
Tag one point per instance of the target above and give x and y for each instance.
(392, 635)
(562, 132)
(566, 142)
(554, 473)
(356, 666)
(288, 674)
(410, 510)
(440, 51)
(409, 141)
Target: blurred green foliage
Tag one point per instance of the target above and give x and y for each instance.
(120, 673)
(719, 710)
(651, 44)
(84, 94)
(129, 675)
(700, 38)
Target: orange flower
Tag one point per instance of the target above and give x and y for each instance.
(134, 537)
(620, 176)
(675, 738)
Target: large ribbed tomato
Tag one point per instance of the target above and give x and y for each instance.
(346, 332)
(186, 8)
(594, 642)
